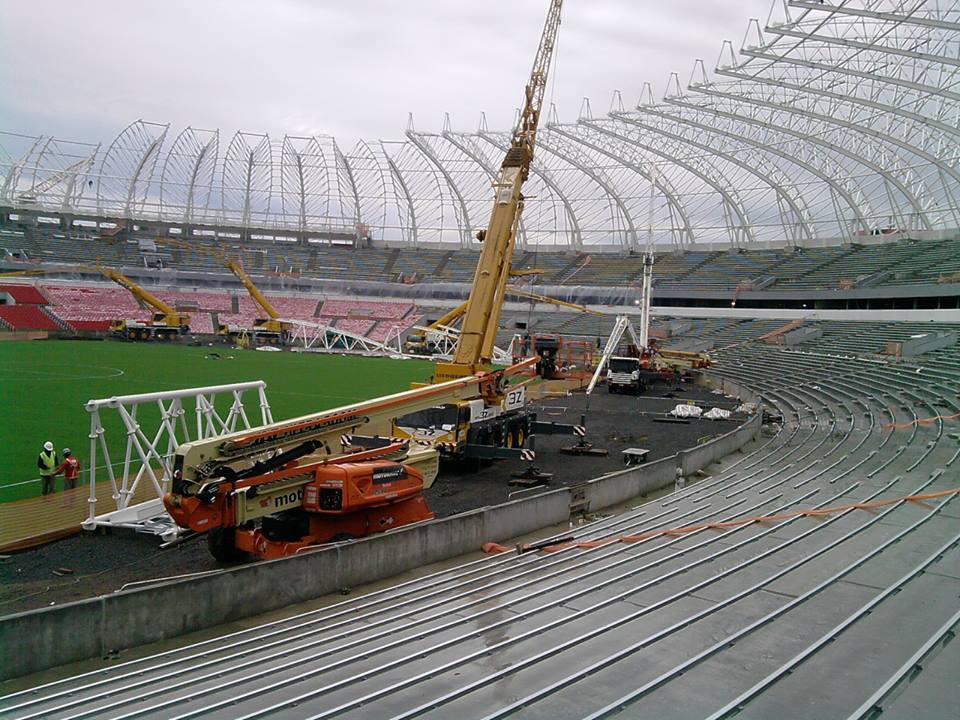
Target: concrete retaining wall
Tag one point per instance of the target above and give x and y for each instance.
(621, 486)
(41, 639)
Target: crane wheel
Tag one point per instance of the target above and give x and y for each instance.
(222, 543)
(518, 436)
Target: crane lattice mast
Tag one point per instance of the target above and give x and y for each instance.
(482, 316)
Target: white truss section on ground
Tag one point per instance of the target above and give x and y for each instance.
(444, 339)
(150, 445)
(834, 119)
(317, 337)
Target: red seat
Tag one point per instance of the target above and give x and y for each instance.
(26, 317)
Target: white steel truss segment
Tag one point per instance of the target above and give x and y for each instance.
(320, 337)
(807, 151)
(875, 103)
(737, 222)
(757, 134)
(572, 155)
(500, 142)
(311, 186)
(470, 179)
(16, 167)
(395, 173)
(382, 198)
(312, 180)
(55, 173)
(680, 226)
(187, 177)
(344, 168)
(887, 49)
(439, 214)
(845, 69)
(546, 213)
(150, 445)
(869, 59)
(465, 144)
(794, 213)
(246, 187)
(846, 8)
(463, 217)
(75, 182)
(127, 169)
(791, 117)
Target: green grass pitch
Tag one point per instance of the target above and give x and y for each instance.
(44, 386)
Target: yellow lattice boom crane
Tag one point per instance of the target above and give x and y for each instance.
(482, 314)
(270, 328)
(166, 323)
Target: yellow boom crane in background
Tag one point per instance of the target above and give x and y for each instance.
(431, 339)
(166, 322)
(482, 314)
(271, 328)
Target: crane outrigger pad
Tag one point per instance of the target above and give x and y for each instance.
(529, 477)
(584, 448)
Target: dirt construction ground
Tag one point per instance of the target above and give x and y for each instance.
(94, 564)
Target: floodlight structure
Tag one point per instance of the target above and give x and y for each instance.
(833, 121)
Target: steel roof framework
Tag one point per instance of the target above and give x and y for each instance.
(834, 120)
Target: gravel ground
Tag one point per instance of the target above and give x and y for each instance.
(99, 563)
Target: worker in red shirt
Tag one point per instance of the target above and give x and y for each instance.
(70, 467)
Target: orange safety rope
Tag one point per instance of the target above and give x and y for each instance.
(590, 544)
(920, 421)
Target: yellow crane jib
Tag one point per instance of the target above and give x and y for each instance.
(482, 316)
(254, 291)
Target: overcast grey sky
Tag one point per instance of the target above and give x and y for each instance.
(83, 69)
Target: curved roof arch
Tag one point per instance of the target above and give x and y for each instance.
(836, 119)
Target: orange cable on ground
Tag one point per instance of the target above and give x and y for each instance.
(920, 421)
(590, 544)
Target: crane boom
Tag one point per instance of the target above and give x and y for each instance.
(553, 301)
(482, 316)
(138, 292)
(254, 291)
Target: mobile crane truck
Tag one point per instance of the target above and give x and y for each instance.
(165, 324)
(269, 330)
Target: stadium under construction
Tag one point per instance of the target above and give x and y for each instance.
(765, 524)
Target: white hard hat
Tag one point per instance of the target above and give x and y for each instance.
(48, 446)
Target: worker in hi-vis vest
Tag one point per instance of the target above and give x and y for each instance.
(47, 462)
(70, 467)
